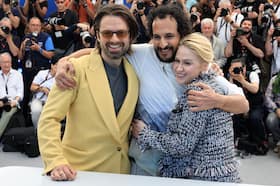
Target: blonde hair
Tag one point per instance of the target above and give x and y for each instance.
(200, 45)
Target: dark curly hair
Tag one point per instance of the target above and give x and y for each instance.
(175, 11)
(119, 11)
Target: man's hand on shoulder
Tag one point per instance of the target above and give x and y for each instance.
(202, 100)
(64, 74)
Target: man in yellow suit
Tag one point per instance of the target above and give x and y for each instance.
(99, 109)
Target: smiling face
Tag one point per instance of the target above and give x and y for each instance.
(165, 38)
(114, 38)
(187, 65)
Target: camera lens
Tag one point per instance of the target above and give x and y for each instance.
(140, 5)
(5, 29)
(237, 70)
(193, 17)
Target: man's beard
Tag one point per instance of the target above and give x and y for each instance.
(166, 60)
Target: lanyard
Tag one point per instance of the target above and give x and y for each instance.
(6, 82)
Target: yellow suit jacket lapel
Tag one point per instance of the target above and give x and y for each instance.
(131, 96)
(101, 92)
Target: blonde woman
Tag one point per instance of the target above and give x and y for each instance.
(196, 145)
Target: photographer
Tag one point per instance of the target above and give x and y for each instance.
(250, 9)
(225, 20)
(84, 9)
(9, 42)
(35, 53)
(243, 43)
(140, 9)
(40, 87)
(86, 36)
(11, 12)
(195, 17)
(265, 19)
(250, 83)
(11, 90)
(58, 25)
(35, 8)
(272, 48)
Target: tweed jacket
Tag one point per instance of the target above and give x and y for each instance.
(95, 139)
(197, 145)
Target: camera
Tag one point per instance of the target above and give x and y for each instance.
(14, 3)
(240, 32)
(56, 21)
(165, 2)
(5, 29)
(7, 104)
(224, 12)
(194, 17)
(268, 9)
(31, 37)
(247, 9)
(86, 37)
(140, 5)
(238, 3)
(276, 32)
(237, 70)
(32, 1)
(7, 2)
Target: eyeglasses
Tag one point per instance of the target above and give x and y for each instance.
(121, 34)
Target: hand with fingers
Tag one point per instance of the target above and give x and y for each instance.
(63, 173)
(64, 74)
(202, 100)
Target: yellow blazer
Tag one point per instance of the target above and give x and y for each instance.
(95, 139)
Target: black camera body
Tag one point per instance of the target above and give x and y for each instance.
(32, 1)
(276, 32)
(237, 70)
(56, 21)
(5, 29)
(7, 104)
(32, 37)
(140, 5)
(240, 32)
(224, 12)
(266, 17)
(194, 17)
(7, 2)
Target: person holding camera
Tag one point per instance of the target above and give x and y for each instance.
(35, 53)
(59, 25)
(249, 81)
(11, 90)
(84, 9)
(11, 12)
(140, 9)
(272, 48)
(40, 87)
(9, 42)
(246, 44)
(35, 8)
(225, 20)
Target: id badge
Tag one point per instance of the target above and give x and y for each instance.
(58, 34)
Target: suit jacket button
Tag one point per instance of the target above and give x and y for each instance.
(119, 148)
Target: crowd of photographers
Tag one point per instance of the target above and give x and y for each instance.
(245, 36)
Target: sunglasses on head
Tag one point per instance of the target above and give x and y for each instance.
(119, 33)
